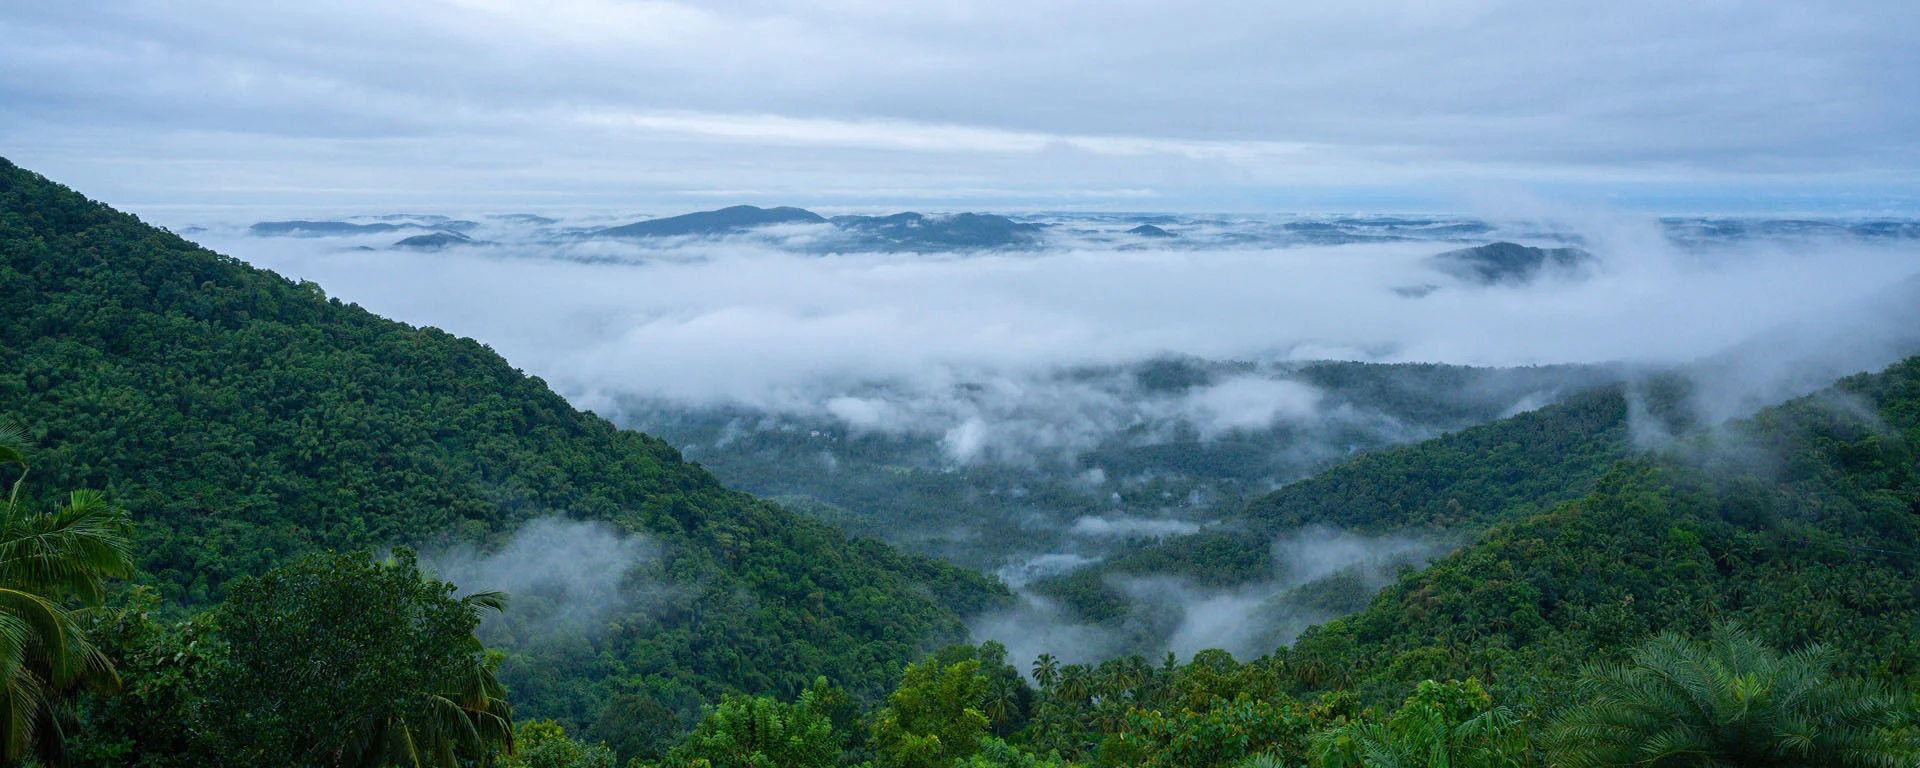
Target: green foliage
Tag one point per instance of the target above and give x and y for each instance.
(995, 753)
(636, 727)
(759, 732)
(896, 485)
(244, 420)
(1442, 725)
(1731, 701)
(154, 721)
(1225, 733)
(1460, 482)
(51, 562)
(934, 718)
(1797, 523)
(544, 744)
(340, 660)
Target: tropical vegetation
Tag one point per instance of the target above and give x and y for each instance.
(1744, 596)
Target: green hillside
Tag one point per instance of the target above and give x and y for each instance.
(1758, 582)
(1802, 524)
(245, 419)
(1458, 483)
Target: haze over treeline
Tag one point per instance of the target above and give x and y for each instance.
(984, 384)
(1032, 407)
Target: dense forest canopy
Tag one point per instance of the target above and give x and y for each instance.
(245, 419)
(239, 449)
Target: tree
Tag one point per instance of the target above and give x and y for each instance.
(636, 727)
(50, 561)
(544, 744)
(338, 660)
(1732, 701)
(1442, 725)
(1046, 671)
(934, 718)
(759, 732)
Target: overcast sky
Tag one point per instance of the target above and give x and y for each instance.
(1115, 104)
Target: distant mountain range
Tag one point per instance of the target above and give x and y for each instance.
(908, 231)
(1490, 253)
(305, 228)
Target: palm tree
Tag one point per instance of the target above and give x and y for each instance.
(465, 717)
(1076, 684)
(48, 561)
(1046, 671)
(1733, 701)
(1002, 702)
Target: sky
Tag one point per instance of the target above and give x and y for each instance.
(357, 105)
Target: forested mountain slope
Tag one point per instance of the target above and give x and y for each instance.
(1455, 484)
(1802, 523)
(244, 419)
(1760, 536)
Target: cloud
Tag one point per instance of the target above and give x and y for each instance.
(225, 102)
(1249, 403)
(563, 578)
(982, 348)
(1319, 574)
(1130, 527)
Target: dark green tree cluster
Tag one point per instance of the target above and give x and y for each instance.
(333, 660)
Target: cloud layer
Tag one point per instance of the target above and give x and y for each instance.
(224, 102)
(878, 339)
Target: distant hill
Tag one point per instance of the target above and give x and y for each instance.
(435, 241)
(907, 488)
(898, 232)
(1510, 263)
(1149, 230)
(318, 228)
(961, 231)
(1462, 481)
(245, 419)
(393, 223)
(725, 221)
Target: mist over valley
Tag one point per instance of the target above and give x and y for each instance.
(1032, 395)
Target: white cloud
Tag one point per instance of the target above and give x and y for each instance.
(608, 101)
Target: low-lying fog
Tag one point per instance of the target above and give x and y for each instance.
(1016, 389)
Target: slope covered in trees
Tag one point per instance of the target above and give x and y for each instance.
(1802, 524)
(245, 419)
(1745, 597)
(1458, 483)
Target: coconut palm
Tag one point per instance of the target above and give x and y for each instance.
(1076, 684)
(466, 717)
(1002, 702)
(1733, 701)
(49, 561)
(1046, 671)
